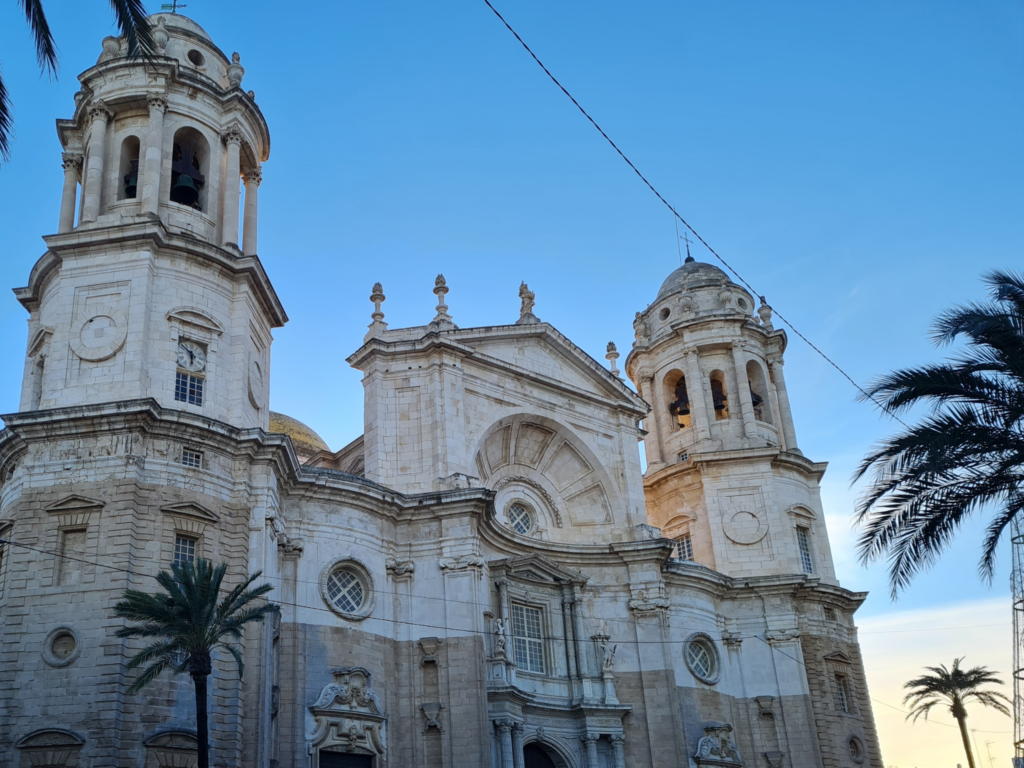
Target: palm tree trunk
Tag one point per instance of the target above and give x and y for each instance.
(967, 741)
(202, 726)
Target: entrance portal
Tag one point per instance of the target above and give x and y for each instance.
(535, 756)
(341, 760)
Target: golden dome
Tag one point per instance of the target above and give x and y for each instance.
(305, 440)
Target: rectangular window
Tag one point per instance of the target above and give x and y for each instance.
(72, 551)
(184, 549)
(803, 541)
(193, 459)
(188, 389)
(683, 549)
(527, 638)
(842, 694)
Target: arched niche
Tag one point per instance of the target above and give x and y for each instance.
(56, 747)
(759, 392)
(553, 470)
(540, 754)
(676, 396)
(719, 395)
(190, 166)
(171, 748)
(128, 168)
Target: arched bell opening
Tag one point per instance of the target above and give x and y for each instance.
(678, 398)
(719, 395)
(759, 392)
(128, 174)
(190, 163)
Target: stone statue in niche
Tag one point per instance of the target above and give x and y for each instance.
(608, 657)
(499, 636)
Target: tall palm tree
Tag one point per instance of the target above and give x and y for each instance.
(189, 624)
(967, 455)
(954, 688)
(131, 20)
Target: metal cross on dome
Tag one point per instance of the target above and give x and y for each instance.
(172, 6)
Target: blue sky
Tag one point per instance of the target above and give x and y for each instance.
(859, 163)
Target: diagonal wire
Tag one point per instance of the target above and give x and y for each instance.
(685, 223)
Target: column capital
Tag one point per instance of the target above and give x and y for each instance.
(253, 174)
(504, 726)
(157, 102)
(776, 361)
(590, 738)
(99, 111)
(232, 136)
(645, 375)
(617, 738)
(517, 728)
(72, 161)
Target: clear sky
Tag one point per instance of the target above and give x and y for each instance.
(861, 164)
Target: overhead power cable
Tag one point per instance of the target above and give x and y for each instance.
(684, 222)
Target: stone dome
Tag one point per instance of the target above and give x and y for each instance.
(181, 23)
(305, 441)
(691, 272)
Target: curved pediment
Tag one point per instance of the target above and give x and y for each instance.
(195, 317)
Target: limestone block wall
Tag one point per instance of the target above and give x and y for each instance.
(74, 529)
(107, 327)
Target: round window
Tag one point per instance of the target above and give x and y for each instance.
(665, 313)
(702, 658)
(742, 303)
(196, 58)
(61, 647)
(519, 517)
(347, 589)
(856, 748)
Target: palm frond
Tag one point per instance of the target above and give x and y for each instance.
(133, 21)
(149, 675)
(46, 48)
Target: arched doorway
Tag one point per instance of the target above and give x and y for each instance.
(535, 756)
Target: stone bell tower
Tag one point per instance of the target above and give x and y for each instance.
(144, 291)
(724, 477)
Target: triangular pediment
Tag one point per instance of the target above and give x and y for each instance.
(191, 509)
(542, 352)
(73, 503)
(839, 658)
(536, 568)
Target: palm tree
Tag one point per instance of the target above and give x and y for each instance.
(189, 624)
(966, 456)
(131, 20)
(954, 688)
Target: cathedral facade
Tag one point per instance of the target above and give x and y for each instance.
(484, 578)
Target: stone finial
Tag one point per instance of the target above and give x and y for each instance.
(377, 326)
(640, 329)
(160, 36)
(235, 70)
(442, 320)
(527, 297)
(765, 313)
(611, 357)
(111, 49)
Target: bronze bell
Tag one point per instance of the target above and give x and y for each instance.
(184, 190)
(131, 182)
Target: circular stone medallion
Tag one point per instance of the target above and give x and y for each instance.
(744, 527)
(100, 336)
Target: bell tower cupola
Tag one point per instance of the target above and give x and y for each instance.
(720, 431)
(151, 286)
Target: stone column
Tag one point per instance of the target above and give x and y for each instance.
(785, 414)
(743, 385)
(229, 224)
(570, 640)
(656, 458)
(695, 391)
(505, 732)
(619, 747)
(153, 154)
(92, 187)
(253, 177)
(517, 745)
(590, 742)
(69, 195)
